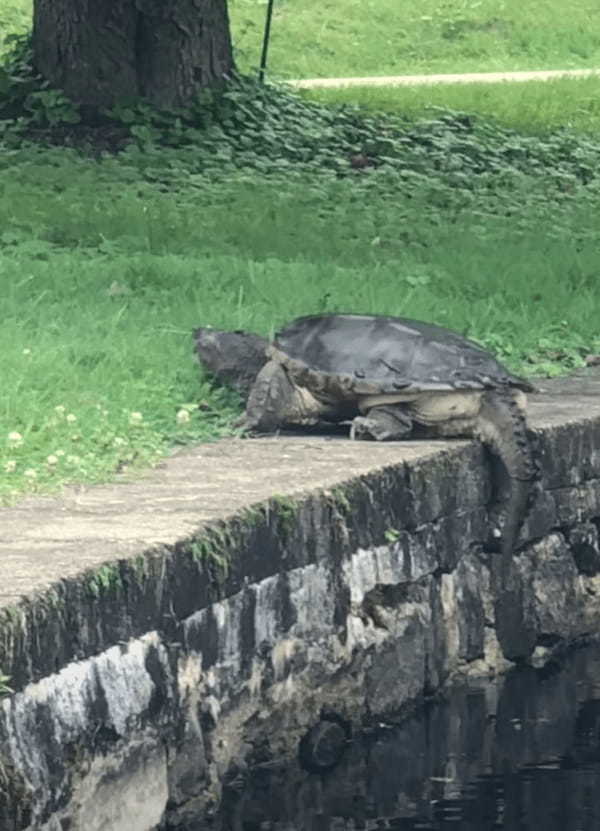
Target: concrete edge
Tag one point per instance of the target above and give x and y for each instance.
(156, 590)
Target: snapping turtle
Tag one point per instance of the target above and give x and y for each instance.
(385, 375)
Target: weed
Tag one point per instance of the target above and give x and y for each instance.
(15, 21)
(13, 613)
(339, 500)
(25, 95)
(285, 509)
(4, 687)
(213, 548)
(140, 567)
(254, 515)
(104, 580)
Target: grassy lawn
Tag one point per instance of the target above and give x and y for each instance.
(312, 38)
(286, 206)
(97, 367)
(107, 265)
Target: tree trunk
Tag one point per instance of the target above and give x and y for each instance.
(102, 52)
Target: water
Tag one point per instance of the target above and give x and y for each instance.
(522, 754)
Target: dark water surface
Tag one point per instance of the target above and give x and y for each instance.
(521, 754)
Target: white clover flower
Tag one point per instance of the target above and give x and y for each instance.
(15, 438)
(118, 441)
(27, 351)
(75, 436)
(183, 417)
(71, 418)
(52, 460)
(60, 409)
(30, 473)
(135, 418)
(10, 466)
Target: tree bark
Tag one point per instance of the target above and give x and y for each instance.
(103, 52)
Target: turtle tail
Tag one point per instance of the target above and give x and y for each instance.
(502, 427)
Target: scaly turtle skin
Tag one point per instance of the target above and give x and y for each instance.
(385, 375)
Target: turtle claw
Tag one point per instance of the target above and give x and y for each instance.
(359, 428)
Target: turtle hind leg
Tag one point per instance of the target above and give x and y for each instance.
(275, 401)
(382, 424)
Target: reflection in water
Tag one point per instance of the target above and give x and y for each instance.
(521, 754)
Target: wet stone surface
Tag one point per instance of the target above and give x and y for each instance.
(521, 752)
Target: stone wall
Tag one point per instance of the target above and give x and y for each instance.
(145, 685)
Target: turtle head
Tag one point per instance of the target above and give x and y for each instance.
(234, 358)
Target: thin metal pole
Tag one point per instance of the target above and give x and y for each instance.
(265, 46)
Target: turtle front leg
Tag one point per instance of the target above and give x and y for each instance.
(382, 424)
(275, 401)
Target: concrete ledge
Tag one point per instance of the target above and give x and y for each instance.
(98, 566)
(159, 633)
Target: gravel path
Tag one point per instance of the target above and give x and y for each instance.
(466, 78)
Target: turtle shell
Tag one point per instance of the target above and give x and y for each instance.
(347, 355)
